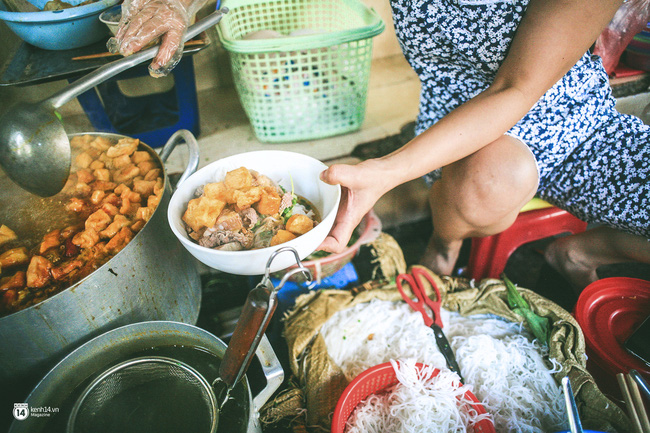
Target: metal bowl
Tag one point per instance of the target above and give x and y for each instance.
(111, 17)
(59, 30)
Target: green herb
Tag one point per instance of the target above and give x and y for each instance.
(538, 325)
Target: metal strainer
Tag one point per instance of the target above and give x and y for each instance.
(146, 394)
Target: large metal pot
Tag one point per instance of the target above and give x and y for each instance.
(152, 278)
(62, 386)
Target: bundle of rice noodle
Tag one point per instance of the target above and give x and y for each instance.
(419, 403)
(507, 370)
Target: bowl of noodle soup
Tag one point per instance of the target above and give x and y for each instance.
(291, 171)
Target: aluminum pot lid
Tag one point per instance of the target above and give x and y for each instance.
(608, 311)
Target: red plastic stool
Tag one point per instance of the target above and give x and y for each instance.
(488, 256)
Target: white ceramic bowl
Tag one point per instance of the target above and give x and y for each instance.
(281, 167)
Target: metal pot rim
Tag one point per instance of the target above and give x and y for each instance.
(72, 370)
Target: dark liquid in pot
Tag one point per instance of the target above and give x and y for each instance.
(169, 412)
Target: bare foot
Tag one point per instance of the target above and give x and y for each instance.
(441, 256)
(574, 264)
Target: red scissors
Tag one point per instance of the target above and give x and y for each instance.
(415, 281)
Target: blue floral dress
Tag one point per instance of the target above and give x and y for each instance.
(592, 160)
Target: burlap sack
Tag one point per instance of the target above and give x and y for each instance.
(318, 381)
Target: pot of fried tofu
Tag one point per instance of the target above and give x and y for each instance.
(96, 256)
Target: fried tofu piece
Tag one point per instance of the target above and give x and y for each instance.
(102, 174)
(299, 224)
(124, 175)
(121, 161)
(14, 257)
(125, 146)
(144, 187)
(6, 234)
(131, 196)
(109, 207)
(118, 222)
(97, 165)
(140, 156)
(81, 141)
(101, 143)
(153, 174)
(38, 272)
(120, 189)
(152, 201)
(50, 240)
(281, 237)
(62, 271)
(245, 199)
(75, 205)
(84, 175)
(127, 207)
(82, 189)
(97, 196)
(146, 166)
(98, 220)
(239, 178)
(83, 160)
(103, 185)
(269, 203)
(202, 212)
(144, 213)
(159, 189)
(16, 281)
(137, 226)
(119, 241)
(86, 239)
(217, 190)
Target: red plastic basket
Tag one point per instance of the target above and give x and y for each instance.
(379, 378)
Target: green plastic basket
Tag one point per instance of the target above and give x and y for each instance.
(301, 87)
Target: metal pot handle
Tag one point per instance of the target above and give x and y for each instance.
(273, 373)
(193, 147)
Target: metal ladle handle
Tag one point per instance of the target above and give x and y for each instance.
(255, 317)
(109, 70)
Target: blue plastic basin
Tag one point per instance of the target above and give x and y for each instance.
(59, 30)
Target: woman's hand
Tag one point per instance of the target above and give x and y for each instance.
(145, 21)
(361, 186)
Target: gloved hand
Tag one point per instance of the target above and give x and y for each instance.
(144, 21)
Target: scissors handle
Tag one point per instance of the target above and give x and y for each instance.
(445, 349)
(415, 288)
(419, 275)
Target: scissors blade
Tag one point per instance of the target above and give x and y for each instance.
(445, 349)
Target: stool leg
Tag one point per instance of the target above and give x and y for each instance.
(489, 255)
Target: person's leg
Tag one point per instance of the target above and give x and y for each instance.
(479, 195)
(578, 256)
(604, 182)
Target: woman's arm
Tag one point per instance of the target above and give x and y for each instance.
(551, 38)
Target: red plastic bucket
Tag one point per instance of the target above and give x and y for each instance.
(609, 311)
(379, 378)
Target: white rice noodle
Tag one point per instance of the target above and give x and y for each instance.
(419, 403)
(504, 367)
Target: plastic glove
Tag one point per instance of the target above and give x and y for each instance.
(630, 19)
(145, 21)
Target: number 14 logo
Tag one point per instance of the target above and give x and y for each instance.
(21, 411)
